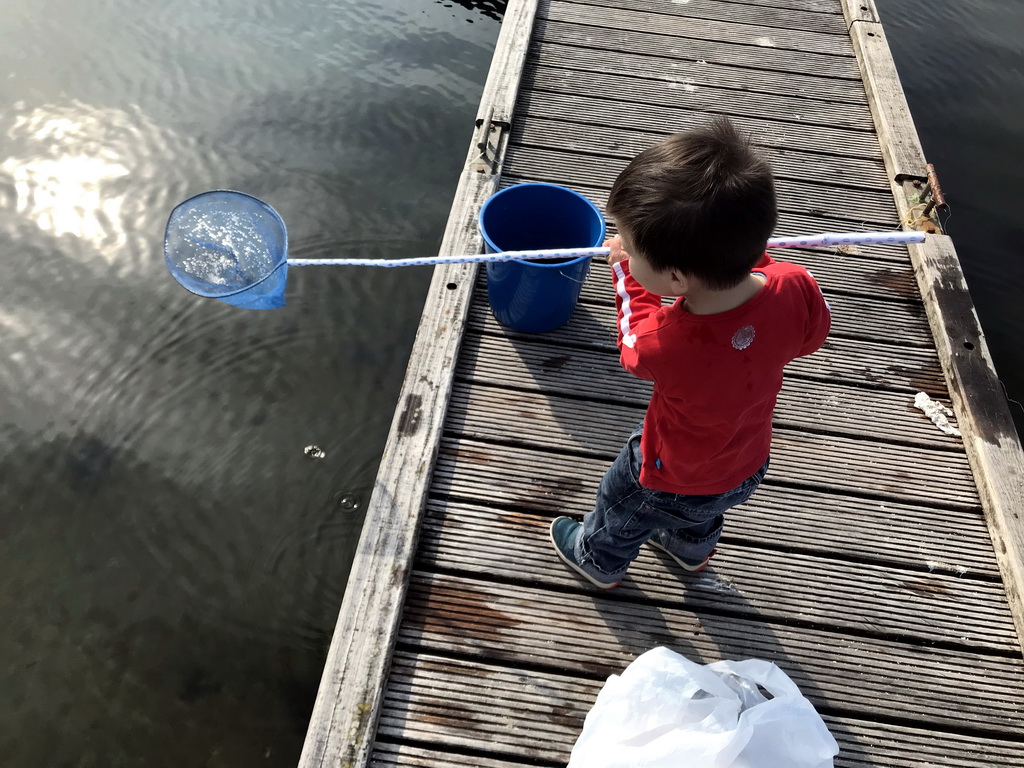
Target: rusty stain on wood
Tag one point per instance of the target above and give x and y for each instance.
(897, 282)
(926, 587)
(475, 615)
(453, 715)
(522, 520)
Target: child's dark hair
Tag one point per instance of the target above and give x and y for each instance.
(702, 202)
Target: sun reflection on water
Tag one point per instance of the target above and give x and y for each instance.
(63, 184)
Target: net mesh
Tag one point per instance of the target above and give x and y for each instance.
(229, 246)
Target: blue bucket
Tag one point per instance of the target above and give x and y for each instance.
(531, 296)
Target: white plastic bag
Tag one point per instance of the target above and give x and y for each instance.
(665, 711)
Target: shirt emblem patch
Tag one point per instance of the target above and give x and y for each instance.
(743, 338)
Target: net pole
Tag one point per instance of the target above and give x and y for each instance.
(826, 239)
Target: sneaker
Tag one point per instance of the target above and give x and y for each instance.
(691, 567)
(564, 531)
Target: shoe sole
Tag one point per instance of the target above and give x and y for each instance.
(576, 568)
(685, 566)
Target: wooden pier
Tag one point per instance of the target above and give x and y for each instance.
(881, 564)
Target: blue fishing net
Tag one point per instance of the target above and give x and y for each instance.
(228, 246)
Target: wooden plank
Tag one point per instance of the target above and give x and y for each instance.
(855, 10)
(993, 445)
(577, 32)
(551, 51)
(541, 398)
(867, 678)
(764, 37)
(910, 537)
(863, 363)
(853, 317)
(417, 707)
(805, 6)
(914, 536)
(633, 87)
(856, 362)
(879, 468)
(623, 144)
(839, 273)
(428, 693)
(852, 273)
(762, 14)
(405, 756)
(344, 715)
(845, 274)
(745, 580)
(790, 223)
(894, 124)
(845, 291)
(858, 209)
(827, 464)
(979, 401)
(848, 272)
(588, 108)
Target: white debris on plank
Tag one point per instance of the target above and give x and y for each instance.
(934, 565)
(717, 583)
(937, 412)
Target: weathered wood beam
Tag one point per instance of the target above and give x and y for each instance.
(345, 714)
(993, 446)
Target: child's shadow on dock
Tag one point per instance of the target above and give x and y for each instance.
(574, 398)
(666, 607)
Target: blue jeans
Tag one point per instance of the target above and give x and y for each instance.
(626, 515)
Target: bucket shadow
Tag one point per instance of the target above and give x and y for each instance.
(570, 378)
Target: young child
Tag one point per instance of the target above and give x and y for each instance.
(694, 214)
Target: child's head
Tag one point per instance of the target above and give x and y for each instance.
(700, 202)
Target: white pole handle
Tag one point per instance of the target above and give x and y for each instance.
(559, 253)
(804, 241)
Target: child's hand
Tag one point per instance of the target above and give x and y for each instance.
(618, 253)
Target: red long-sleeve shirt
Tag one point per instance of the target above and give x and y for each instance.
(716, 377)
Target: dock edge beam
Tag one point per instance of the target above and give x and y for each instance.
(979, 401)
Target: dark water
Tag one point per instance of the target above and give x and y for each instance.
(962, 67)
(172, 560)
